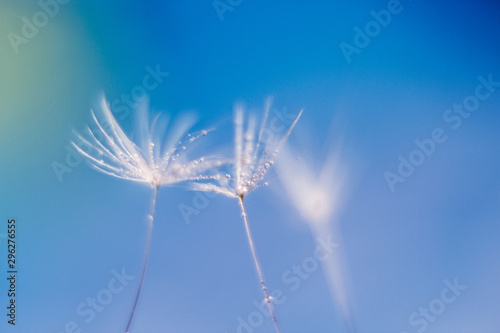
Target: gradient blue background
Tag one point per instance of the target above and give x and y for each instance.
(442, 223)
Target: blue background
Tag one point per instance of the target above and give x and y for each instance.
(441, 223)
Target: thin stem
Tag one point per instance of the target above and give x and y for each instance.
(146, 259)
(257, 264)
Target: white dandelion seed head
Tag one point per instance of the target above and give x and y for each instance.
(157, 155)
(317, 192)
(254, 153)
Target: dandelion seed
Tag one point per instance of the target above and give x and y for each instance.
(317, 197)
(253, 158)
(156, 158)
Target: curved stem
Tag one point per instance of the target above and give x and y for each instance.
(257, 265)
(146, 259)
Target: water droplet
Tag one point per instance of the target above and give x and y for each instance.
(228, 175)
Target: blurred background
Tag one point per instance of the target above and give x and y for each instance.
(372, 77)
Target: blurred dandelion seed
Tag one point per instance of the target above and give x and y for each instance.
(317, 197)
(156, 158)
(254, 155)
